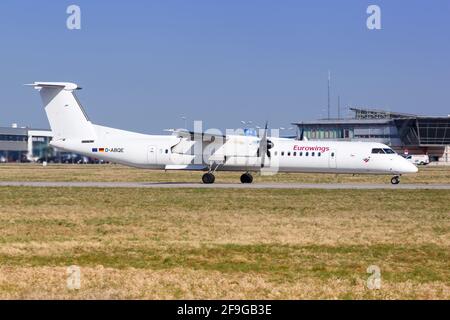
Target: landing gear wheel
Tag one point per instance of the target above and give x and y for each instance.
(246, 178)
(208, 178)
(395, 180)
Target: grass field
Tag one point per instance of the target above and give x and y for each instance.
(233, 244)
(109, 173)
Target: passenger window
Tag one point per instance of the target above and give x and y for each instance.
(301, 153)
(377, 150)
(312, 154)
(295, 153)
(289, 153)
(332, 154)
(282, 153)
(167, 151)
(275, 153)
(306, 154)
(319, 154)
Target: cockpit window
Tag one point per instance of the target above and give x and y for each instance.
(377, 150)
(389, 151)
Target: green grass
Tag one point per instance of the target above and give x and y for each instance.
(427, 263)
(117, 173)
(194, 243)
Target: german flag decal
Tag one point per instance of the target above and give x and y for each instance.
(106, 150)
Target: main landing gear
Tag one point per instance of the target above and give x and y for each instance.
(395, 180)
(208, 178)
(246, 178)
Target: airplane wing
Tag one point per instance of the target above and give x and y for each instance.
(182, 133)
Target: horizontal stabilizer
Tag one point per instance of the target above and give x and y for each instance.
(63, 85)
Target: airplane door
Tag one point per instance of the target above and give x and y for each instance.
(332, 164)
(151, 155)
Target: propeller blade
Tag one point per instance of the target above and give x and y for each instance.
(263, 145)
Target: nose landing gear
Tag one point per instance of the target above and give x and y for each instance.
(246, 178)
(395, 180)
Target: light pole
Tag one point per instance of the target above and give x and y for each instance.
(185, 121)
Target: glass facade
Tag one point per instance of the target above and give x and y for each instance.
(12, 156)
(327, 133)
(41, 147)
(12, 137)
(383, 131)
(26, 145)
(19, 144)
(424, 131)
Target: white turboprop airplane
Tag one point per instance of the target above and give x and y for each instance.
(184, 150)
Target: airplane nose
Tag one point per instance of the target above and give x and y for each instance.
(413, 168)
(408, 167)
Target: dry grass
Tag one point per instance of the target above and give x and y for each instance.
(200, 243)
(110, 173)
(178, 283)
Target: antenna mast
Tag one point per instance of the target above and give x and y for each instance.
(329, 88)
(339, 107)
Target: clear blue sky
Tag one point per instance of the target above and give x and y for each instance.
(143, 64)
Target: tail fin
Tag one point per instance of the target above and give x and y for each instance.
(65, 114)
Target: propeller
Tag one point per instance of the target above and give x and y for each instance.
(264, 145)
(302, 135)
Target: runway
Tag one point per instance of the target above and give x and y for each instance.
(168, 185)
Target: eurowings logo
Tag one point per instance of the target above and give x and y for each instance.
(120, 150)
(311, 148)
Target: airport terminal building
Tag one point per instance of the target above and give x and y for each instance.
(24, 144)
(405, 133)
(21, 144)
